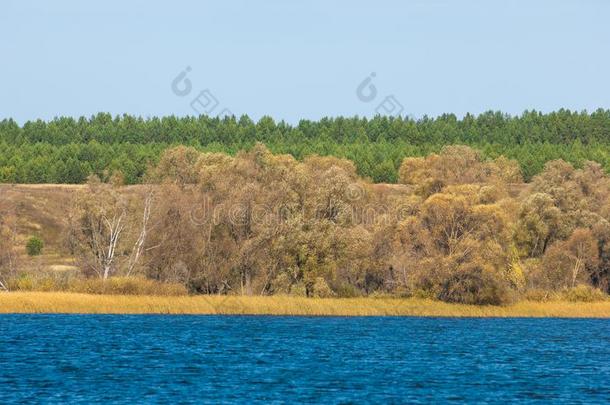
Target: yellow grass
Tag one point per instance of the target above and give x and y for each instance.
(58, 302)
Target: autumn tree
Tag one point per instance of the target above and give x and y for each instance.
(464, 228)
(455, 165)
(539, 224)
(571, 262)
(104, 229)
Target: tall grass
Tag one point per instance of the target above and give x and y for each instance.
(64, 282)
(61, 302)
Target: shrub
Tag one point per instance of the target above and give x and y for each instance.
(583, 293)
(34, 246)
(537, 294)
(126, 286)
(345, 290)
(52, 281)
(298, 290)
(475, 285)
(23, 283)
(424, 294)
(116, 285)
(321, 288)
(281, 284)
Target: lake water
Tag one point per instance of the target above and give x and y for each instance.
(217, 359)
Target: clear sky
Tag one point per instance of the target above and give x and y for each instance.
(301, 59)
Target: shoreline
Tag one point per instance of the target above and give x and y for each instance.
(76, 303)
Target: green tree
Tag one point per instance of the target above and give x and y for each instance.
(34, 246)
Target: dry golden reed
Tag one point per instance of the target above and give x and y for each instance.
(61, 302)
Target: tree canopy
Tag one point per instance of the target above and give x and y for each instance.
(67, 150)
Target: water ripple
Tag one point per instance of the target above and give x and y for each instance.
(244, 359)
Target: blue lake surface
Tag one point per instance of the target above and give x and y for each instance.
(218, 359)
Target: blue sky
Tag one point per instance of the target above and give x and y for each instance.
(294, 60)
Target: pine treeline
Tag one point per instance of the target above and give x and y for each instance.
(65, 150)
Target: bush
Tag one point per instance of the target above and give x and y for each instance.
(475, 285)
(538, 295)
(321, 289)
(281, 284)
(583, 293)
(23, 283)
(126, 286)
(34, 246)
(298, 290)
(424, 294)
(348, 291)
(52, 281)
(116, 285)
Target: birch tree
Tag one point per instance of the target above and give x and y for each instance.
(110, 228)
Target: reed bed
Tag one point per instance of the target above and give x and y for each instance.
(74, 303)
